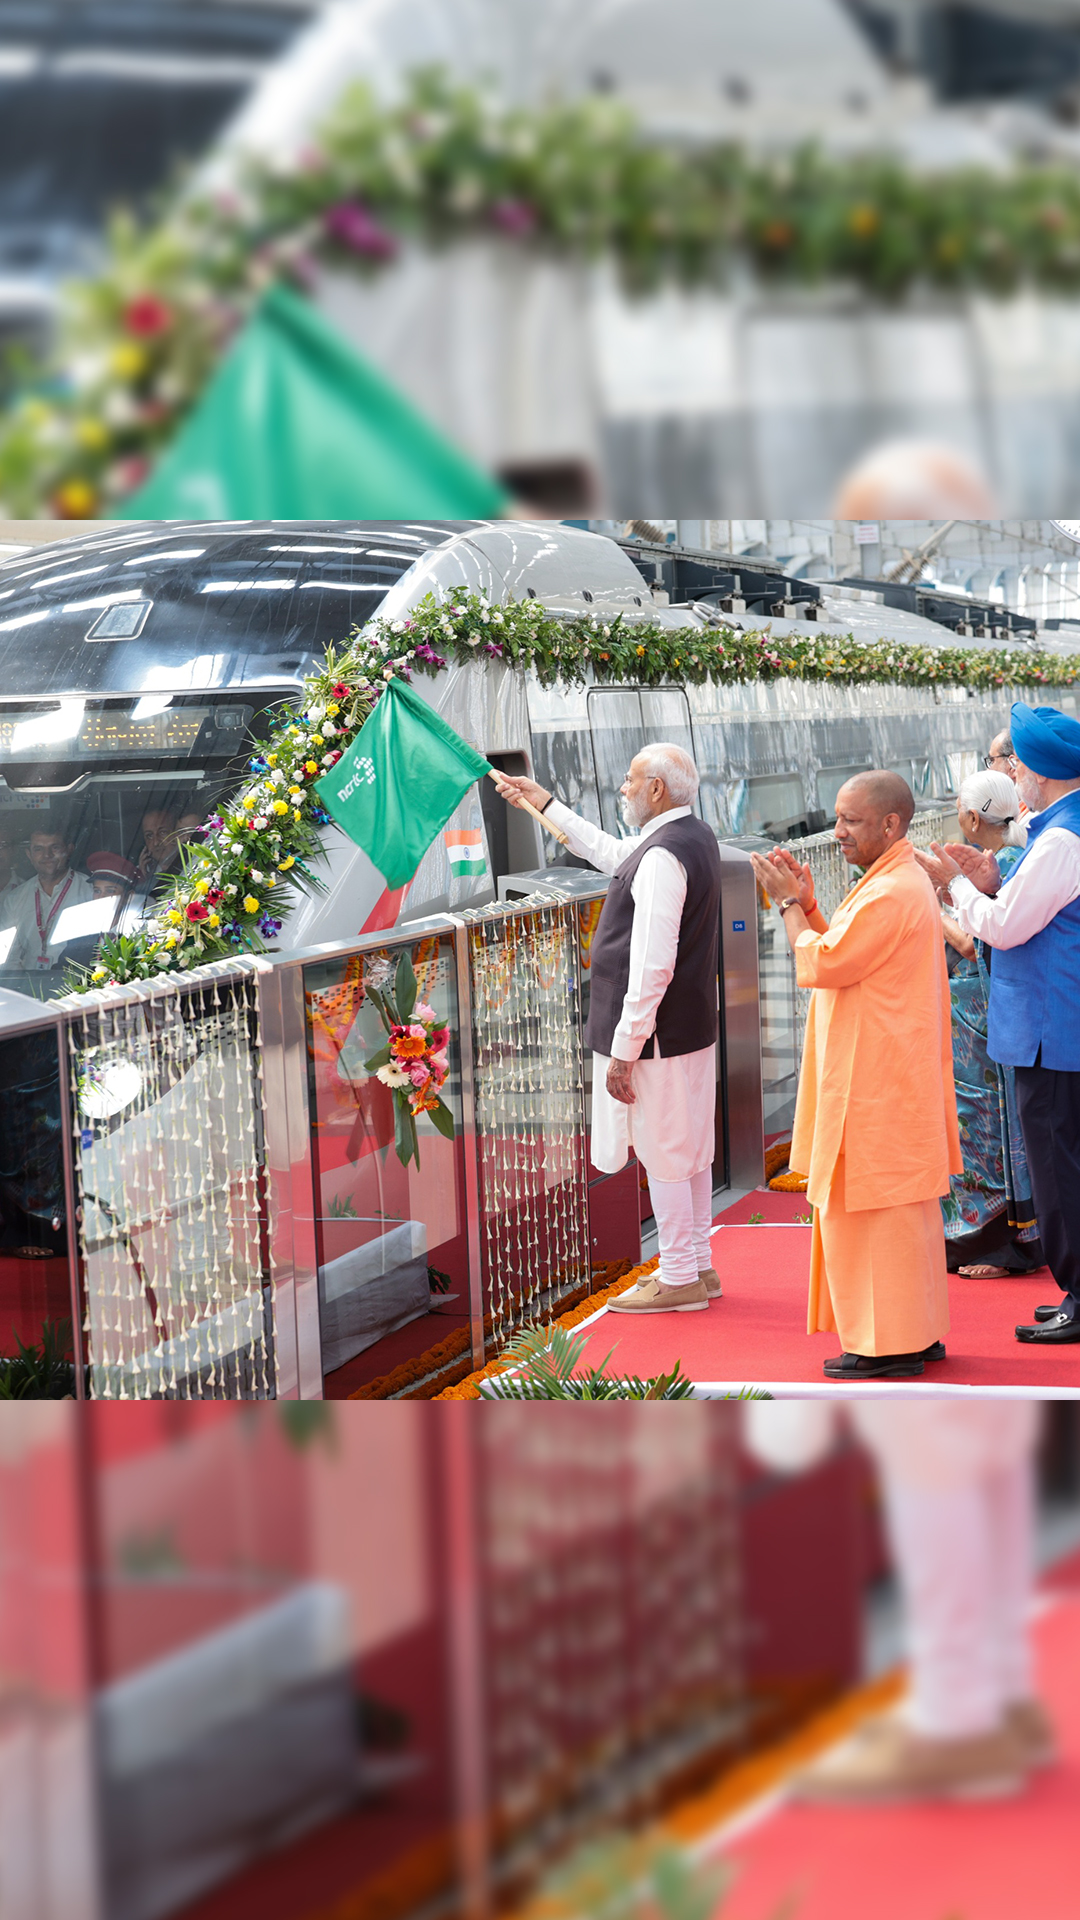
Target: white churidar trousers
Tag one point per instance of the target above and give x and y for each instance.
(672, 1128)
(965, 1559)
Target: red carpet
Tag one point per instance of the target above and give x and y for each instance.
(756, 1333)
(994, 1860)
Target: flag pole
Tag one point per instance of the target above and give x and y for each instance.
(527, 807)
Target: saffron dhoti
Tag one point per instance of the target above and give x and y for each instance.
(878, 1277)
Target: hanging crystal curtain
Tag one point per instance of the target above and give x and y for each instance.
(530, 1126)
(169, 1169)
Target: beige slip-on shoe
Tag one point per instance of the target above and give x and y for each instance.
(1031, 1726)
(897, 1764)
(712, 1282)
(652, 1296)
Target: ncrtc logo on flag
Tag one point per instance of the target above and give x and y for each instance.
(364, 775)
(465, 850)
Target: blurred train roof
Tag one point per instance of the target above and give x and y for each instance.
(101, 99)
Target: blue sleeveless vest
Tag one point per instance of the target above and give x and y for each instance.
(1035, 988)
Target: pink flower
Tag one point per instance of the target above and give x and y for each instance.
(440, 1064)
(422, 1011)
(352, 226)
(418, 1032)
(440, 1038)
(418, 1074)
(516, 218)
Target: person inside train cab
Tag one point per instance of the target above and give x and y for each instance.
(37, 905)
(875, 1118)
(159, 827)
(9, 880)
(653, 1012)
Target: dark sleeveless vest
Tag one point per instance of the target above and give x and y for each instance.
(687, 1018)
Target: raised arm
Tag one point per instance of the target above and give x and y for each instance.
(602, 850)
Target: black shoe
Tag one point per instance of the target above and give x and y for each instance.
(874, 1366)
(1048, 1313)
(1062, 1331)
(935, 1352)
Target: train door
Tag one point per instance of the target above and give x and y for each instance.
(622, 720)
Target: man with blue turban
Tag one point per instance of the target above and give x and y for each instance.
(1032, 921)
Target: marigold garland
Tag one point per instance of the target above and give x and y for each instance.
(444, 162)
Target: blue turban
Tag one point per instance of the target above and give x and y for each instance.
(1046, 741)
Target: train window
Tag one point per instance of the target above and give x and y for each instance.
(958, 766)
(829, 782)
(769, 803)
(622, 720)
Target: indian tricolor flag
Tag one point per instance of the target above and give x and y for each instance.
(465, 849)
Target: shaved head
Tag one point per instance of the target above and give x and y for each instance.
(885, 792)
(873, 811)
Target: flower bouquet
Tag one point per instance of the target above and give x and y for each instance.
(414, 1062)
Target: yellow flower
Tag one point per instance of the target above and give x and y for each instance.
(251, 905)
(128, 361)
(76, 500)
(170, 940)
(296, 813)
(311, 766)
(296, 791)
(93, 434)
(333, 708)
(98, 973)
(676, 662)
(270, 880)
(284, 865)
(202, 886)
(173, 917)
(249, 801)
(863, 221)
(641, 650)
(271, 759)
(213, 919)
(281, 806)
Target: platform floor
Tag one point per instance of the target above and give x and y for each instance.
(988, 1860)
(756, 1335)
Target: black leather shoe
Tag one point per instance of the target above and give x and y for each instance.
(874, 1366)
(1062, 1331)
(1048, 1312)
(935, 1352)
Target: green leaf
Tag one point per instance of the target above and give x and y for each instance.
(442, 1118)
(405, 988)
(379, 1059)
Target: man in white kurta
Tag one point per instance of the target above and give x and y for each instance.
(663, 1105)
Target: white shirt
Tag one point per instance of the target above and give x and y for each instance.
(658, 889)
(26, 948)
(1048, 881)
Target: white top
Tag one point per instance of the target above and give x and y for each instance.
(26, 948)
(1048, 881)
(658, 889)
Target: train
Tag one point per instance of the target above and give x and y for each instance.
(138, 663)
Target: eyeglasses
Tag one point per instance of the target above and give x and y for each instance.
(990, 760)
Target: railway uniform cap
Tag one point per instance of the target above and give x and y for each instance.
(111, 866)
(1047, 741)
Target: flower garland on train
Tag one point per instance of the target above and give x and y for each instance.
(256, 853)
(446, 163)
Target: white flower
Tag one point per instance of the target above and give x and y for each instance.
(498, 619)
(607, 630)
(328, 759)
(260, 820)
(388, 673)
(230, 892)
(328, 730)
(393, 1077)
(315, 714)
(472, 639)
(278, 777)
(486, 617)
(397, 626)
(256, 875)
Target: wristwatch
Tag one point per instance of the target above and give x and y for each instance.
(791, 901)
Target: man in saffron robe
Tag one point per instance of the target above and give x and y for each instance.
(875, 1120)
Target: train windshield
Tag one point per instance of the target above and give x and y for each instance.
(97, 798)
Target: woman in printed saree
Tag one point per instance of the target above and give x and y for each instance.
(990, 1225)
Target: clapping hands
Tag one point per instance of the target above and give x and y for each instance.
(944, 863)
(782, 877)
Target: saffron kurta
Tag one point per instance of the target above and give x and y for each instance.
(875, 1121)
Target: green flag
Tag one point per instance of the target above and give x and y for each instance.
(400, 781)
(295, 425)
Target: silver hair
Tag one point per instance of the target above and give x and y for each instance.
(673, 765)
(994, 798)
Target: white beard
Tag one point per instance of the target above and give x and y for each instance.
(634, 814)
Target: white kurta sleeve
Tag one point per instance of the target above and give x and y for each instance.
(1048, 881)
(602, 850)
(659, 891)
